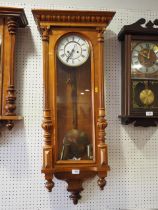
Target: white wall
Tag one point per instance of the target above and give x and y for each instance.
(115, 4)
(133, 179)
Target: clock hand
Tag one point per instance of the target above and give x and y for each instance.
(145, 56)
(71, 53)
(149, 54)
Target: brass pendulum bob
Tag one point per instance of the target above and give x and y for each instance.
(147, 95)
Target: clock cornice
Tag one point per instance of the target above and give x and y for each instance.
(72, 18)
(16, 13)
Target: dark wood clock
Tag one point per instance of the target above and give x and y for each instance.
(10, 20)
(74, 114)
(139, 73)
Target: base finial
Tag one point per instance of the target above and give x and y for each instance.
(49, 185)
(75, 196)
(101, 182)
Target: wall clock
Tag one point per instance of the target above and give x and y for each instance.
(139, 73)
(10, 20)
(74, 115)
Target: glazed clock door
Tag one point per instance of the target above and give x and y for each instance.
(144, 76)
(74, 98)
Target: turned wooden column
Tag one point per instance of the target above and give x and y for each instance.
(11, 97)
(101, 122)
(47, 121)
(10, 106)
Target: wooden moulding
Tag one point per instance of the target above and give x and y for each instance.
(139, 120)
(137, 28)
(10, 20)
(17, 13)
(72, 18)
(53, 24)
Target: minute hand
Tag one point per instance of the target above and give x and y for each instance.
(72, 51)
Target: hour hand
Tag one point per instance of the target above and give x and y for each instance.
(148, 54)
(144, 55)
(70, 54)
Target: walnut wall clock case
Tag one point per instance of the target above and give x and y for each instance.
(10, 20)
(74, 114)
(139, 73)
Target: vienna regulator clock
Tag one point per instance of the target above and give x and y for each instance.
(10, 20)
(140, 73)
(74, 115)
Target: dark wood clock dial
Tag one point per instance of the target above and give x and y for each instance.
(139, 73)
(74, 115)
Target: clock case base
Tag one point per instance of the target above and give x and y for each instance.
(139, 121)
(75, 181)
(8, 121)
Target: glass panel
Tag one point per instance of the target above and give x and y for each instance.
(144, 60)
(145, 94)
(74, 112)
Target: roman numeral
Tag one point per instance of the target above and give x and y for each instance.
(141, 46)
(62, 55)
(67, 39)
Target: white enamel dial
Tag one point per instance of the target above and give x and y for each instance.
(73, 50)
(145, 57)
